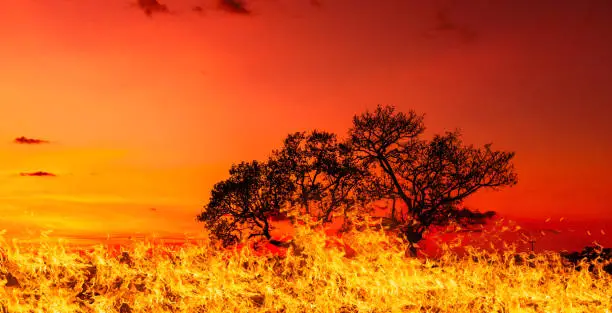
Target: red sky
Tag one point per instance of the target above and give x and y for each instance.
(146, 112)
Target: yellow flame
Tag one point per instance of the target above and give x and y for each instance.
(377, 277)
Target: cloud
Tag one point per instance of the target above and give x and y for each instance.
(444, 24)
(38, 174)
(234, 6)
(29, 141)
(152, 6)
(198, 9)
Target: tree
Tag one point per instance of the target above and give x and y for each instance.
(385, 157)
(313, 173)
(322, 172)
(242, 204)
(431, 177)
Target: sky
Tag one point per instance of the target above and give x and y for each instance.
(141, 109)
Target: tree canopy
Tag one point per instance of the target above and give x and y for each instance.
(431, 177)
(322, 171)
(243, 204)
(384, 157)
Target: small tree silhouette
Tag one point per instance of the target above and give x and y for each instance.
(242, 204)
(431, 177)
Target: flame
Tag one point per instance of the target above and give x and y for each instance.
(361, 271)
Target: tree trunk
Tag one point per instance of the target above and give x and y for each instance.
(386, 166)
(413, 234)
(411, 252)
(266, 230)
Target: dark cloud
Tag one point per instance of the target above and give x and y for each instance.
(38, 174)
(234, 6)
(152, 6)
(198, 9)
(29, 141)
(444, 24)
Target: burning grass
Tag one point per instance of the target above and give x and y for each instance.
(317, 274)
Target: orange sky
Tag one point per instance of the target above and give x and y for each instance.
(146, 112)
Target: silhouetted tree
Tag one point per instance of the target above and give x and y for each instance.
(322, 172)
(384, 158)
(431, 177)
(242, 204)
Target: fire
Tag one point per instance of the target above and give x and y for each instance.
(363, 271)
